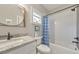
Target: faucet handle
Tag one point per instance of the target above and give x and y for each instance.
(75, 42)
(76, 38)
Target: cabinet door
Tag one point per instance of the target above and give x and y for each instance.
(29, 48)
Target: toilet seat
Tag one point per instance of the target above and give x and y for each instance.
(43, 49)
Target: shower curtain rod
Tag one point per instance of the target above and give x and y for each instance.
(76, 5)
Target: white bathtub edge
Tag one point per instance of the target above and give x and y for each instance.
(67, 49)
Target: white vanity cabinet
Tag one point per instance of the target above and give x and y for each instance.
(28, 48)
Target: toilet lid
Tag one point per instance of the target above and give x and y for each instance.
(43, 48)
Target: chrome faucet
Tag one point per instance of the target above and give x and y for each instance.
(9, 36)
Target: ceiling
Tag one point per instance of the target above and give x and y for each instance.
(50, 7)
(54, 7)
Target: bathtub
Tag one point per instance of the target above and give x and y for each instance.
(58, 49)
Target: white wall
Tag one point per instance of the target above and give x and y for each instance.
(37, 8)
(28, 18)
(78, 21)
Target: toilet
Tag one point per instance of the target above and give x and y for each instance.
(42, 48)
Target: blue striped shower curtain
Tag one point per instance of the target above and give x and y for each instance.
(45, 39)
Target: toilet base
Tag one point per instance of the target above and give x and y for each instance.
(43, 49)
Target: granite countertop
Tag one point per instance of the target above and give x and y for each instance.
(14, 42)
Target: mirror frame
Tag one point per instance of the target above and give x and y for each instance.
(19, 25)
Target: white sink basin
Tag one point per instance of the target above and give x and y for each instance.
(10, 42)
(12, 39)
(7, 44)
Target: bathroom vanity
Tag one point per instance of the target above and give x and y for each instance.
(14, 16)
(19, 45)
